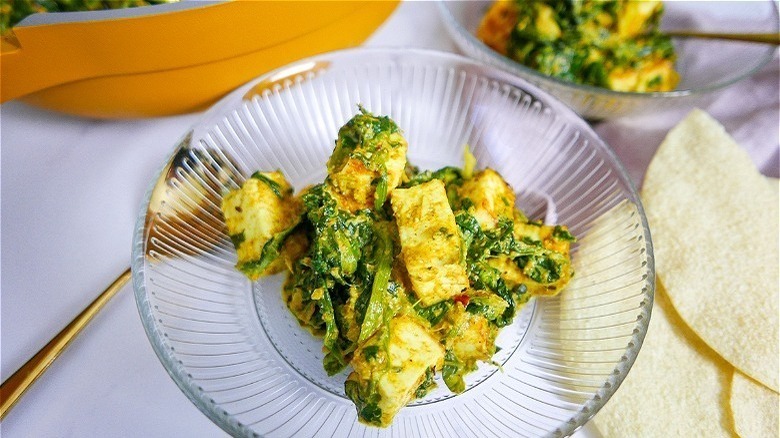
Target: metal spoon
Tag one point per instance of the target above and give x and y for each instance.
(764, 38)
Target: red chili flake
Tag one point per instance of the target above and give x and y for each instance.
(462, 298)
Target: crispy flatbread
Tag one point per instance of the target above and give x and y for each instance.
(754, 408)
(677, 387)
(714, 224)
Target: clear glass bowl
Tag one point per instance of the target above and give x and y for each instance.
(236, 351)
(705, 66)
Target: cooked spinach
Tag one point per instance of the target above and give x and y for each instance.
(271, 251)
(427, 384)
(364, 137)
(433, 313)
(453, 372)
(378, 306)
(366, 400)
(610, 44)
(273, 185)
(237, 239)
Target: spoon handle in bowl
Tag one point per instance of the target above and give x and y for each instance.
(765, 38)
(15, 386)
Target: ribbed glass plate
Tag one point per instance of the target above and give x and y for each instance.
(237, 352)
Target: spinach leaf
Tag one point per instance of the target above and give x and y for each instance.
(371, 413)
(365, 137)
(446, 174)
(537, 262)
(486, 277)
(237, 239)
(338, 238)
(349, 255)
(427, 384)
(453, 372)
(273, 185)
(334, 360)
(333, 363)
(370, 352)
(433, 313)
(489, 307)
(377, 305)
(366, 400)
(380, 195)
(545, 268)
(560, 233)
(271, 251)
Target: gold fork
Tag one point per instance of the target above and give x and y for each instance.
(765, 38)
(16, 385)
(181, 161)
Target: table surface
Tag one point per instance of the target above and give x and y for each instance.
(70, 192)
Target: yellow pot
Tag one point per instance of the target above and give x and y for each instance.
(173, 58)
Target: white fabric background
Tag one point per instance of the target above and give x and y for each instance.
(70, 190)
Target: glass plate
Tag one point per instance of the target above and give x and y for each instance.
(236, 351)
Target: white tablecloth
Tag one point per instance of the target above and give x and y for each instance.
(71, 190)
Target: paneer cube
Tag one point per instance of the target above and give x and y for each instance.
(389, 379)
(254, 213)
(497, 25)
(657, 75)
(634, 17)
(351, 185)
(493, 198)
(510, 272)
(430, 242)
(369, 148)
(471, 337)
(623, 79)
(546, 26)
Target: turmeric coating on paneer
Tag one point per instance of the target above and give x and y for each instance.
(471, 336)
(497, 25)
(399, 292)
(491, 195)
(368, 161)
(261, 208)
(392, 374)
(612, 44)
(430, 242)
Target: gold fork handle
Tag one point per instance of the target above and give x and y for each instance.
(16, 385)
(766, 38)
